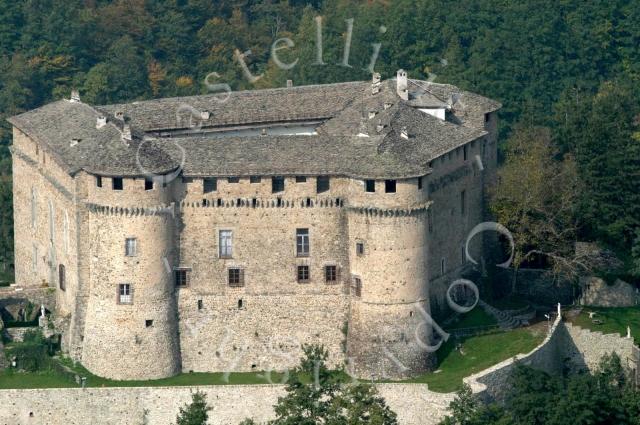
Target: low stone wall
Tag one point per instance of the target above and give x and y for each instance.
(491, 384)
(414, 404)
(584, 348)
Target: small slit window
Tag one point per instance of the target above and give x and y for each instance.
(419, 183)
(360, 248)
(356, 287)
(62, 277)
(98, 181)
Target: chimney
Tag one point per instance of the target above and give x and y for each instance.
(402, 84)
(119, 115)
(126, 133)
(75, 96)
(101, 121)
(289, 84)
(404, 133)
(372, 114)
(387, 105)
(205, 115)
(375, 83)
(74, 142)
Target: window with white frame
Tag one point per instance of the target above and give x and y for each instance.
(302, 242)
(125, 293)
(225, 243)
(131, 247)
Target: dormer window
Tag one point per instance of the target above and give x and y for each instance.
(117, 183)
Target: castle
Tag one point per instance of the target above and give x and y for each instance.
(221, 232)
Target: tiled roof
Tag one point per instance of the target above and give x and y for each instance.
(359, 135)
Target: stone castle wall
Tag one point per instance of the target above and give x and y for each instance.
(176, 225)
(414, 404)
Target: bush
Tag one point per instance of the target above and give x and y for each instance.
(33, 353)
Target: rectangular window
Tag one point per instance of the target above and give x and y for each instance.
(277, 184)
(487, 117)
(301, 179)
(331, 274)
(254, 179)
(463, 196)
(209, 185)
(125, 293)
(233, 180)
(465, 151)
(360, 248)
(322, 184)
(390, 186)
(370, 186)
(225, 243)
(117, 183)
(62, 278)
(131, 247)
(148, 184)
(182, 277)
(419, 182)
(236, 277)
(356, 287)
(302, 242)
(98, 181)
(303, 274)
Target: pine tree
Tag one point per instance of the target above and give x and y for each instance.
(195, 413)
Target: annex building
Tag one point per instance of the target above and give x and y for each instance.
(221, 232)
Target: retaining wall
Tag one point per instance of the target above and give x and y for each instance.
(414, 404)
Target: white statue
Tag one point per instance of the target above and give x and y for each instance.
(628, 332)
(559, 309)
(42, 311)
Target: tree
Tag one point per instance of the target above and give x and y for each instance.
(635, 255)
(316, 395)
(195, 413)
(535, 198)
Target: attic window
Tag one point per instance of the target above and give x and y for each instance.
(370, 186)
(301, 179)
(254, 179)
(419, 182)
(148, 184)
(322, 184)
(233, 179)
(117, 183)
(390, 186)
(277, 184)
(209, 185)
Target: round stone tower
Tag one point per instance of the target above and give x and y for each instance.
(131, 329)
(389, 326)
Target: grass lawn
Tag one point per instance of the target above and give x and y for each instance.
(615, 320)
(481, 352)
(474, 318)
(10, 380)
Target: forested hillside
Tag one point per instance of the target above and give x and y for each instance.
(545, 60)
